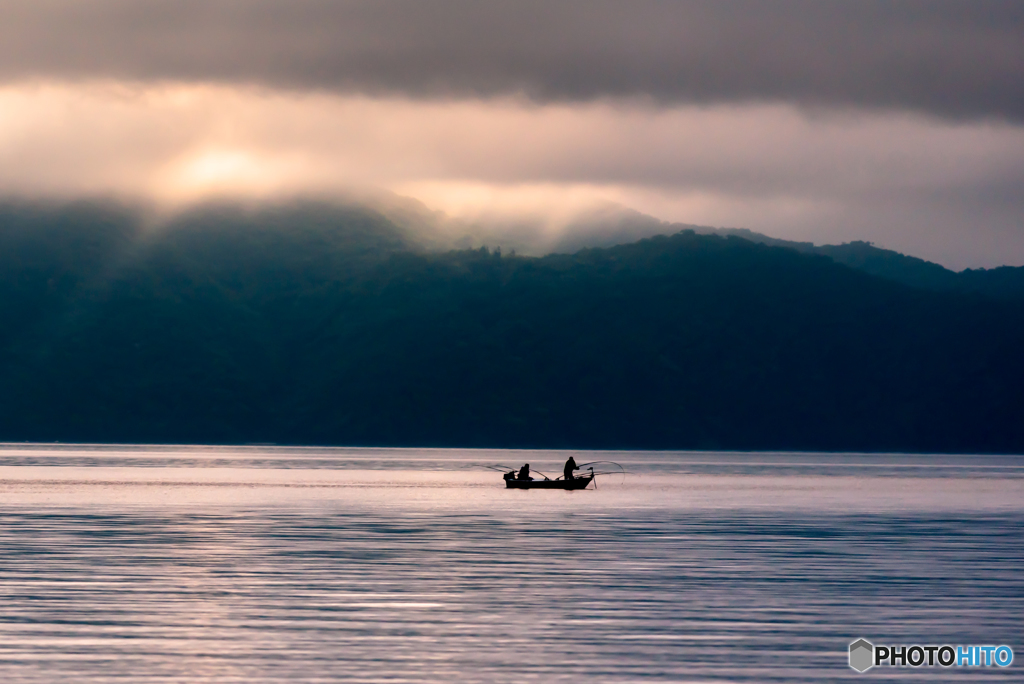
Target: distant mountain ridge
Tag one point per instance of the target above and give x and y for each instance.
(310, 323)
(1006, 282)
(610, 225)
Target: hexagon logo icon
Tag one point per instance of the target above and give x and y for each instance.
(862, 655)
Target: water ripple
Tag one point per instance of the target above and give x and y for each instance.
(332, 574)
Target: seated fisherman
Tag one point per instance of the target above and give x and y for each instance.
(510, 475)
(570, 466)
(524, 473)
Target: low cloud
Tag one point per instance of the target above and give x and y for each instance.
(951, 192)
(944, 58)
(823, 120)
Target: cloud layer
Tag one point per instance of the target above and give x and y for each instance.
(946, 58)
(900, 122)
(950, 192)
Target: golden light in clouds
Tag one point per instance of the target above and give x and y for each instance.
(227, 172)
(770, 167)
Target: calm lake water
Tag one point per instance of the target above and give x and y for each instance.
(264, 564)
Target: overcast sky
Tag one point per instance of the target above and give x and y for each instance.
(896, 122)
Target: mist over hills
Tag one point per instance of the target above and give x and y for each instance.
(313, 323)
(612, 224)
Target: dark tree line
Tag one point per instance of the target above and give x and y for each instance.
(294, 328)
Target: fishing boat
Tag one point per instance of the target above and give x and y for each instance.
(575, 483)
(512, 481)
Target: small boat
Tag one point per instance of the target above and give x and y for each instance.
(575, 483)
(512, 480)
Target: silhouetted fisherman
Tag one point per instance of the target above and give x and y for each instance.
(510, 475)
(570, 466)
(524, 473)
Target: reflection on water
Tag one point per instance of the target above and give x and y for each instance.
(263, 564)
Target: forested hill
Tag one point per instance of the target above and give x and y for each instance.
(1004, 282)
(345, 332)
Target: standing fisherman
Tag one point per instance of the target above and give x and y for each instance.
(570, 466)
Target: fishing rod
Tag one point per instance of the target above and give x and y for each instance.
(500, 468)
(591, 464)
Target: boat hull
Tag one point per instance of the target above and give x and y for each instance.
(575, 483)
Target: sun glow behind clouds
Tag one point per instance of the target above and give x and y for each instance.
(227, 172)
(888, 178)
